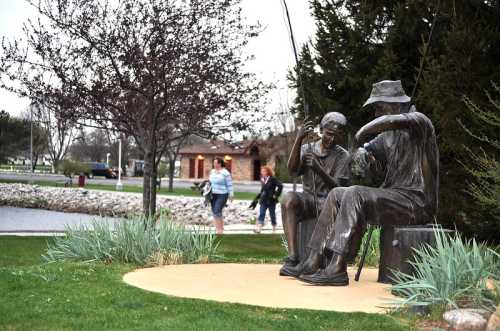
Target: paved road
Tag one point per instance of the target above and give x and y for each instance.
(239, 186)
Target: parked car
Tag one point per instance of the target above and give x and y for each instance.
(100, 169)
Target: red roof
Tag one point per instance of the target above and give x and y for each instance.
(217, 147)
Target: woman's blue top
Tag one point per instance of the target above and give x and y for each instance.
(221, 182)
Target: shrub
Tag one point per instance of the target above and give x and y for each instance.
(483, 165)
(373, 253)
(453, 273)
(71, 168)
(281, 170)
(129, 242)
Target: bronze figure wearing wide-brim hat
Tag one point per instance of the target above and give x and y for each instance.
(388, 91)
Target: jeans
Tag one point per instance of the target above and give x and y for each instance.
(218, 203)
(272, 213)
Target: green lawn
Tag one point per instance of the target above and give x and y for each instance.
(133, 189)
(70, 296)
(262, 248)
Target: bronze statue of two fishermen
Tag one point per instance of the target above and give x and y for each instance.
(400, 144)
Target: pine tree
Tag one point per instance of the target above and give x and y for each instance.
(358, 43)
(484, 165)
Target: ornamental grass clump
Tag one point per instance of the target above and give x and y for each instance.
(163, 242)
(455, 273)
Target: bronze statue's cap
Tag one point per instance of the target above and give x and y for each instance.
(387, 91)
(334, 118)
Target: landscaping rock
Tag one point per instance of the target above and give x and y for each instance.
(483, 312)
(494, 321)
(188, 210)
(492, 285)
(465, 320)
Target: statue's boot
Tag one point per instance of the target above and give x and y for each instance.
(308, 267)
(335, 274)
(312, 264)
(290, 263)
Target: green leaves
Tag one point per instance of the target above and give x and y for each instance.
(453, 273)
(162, 243)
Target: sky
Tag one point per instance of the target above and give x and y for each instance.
(272, 48)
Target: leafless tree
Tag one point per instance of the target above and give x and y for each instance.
(60, 132)
(172, 154)
(154, 70)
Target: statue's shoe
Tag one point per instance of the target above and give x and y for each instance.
(290, 271)
(312, 264)
(323, 278)
(290, 267)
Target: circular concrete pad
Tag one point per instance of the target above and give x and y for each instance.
(260, 284)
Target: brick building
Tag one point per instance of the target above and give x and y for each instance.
(242, 159)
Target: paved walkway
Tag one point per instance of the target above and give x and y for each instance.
(260, 284)
(39, 222)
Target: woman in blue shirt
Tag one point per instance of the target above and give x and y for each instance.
(222, 190)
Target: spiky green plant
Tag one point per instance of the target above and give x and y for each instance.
(130, 241)
(452, 273)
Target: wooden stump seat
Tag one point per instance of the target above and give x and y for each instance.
(397, 247)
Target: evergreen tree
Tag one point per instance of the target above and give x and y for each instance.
(485, 167)
(358, 43)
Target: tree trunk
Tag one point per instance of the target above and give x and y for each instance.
(35, 161)
(146, 190)
(171, 173)
(397, 248)
(55, 164)
(152, 183)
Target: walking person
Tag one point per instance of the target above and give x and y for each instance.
(268, 197)
(222, 191)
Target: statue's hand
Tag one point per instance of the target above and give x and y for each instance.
(359, 139)
(306, 129)
(359, 162)
(311, 161)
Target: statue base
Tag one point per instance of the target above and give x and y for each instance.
(397, 244)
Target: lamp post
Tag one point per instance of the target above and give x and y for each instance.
(107, 158)
(119, 185)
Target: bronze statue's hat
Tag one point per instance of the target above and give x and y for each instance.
(387, 91)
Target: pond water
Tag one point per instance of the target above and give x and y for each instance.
(13, 219)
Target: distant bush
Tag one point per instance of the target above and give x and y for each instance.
(162, 172)
(454, 273)
(373, 253)
(71, 168)
(281, 170)
(129, 242)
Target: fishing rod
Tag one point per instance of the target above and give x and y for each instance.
(304, 100)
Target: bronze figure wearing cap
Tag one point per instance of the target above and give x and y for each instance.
(323, 165)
